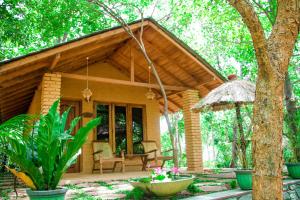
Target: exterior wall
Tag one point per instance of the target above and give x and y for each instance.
(50, 90)
(110, 93)
(192, 131)
(35, 106)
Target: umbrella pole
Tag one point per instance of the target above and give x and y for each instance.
(242, 135)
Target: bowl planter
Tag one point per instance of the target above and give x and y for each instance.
(58, 194)
(166, 188)
(294, 170)
(244, 179)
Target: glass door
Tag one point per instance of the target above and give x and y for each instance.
(120, 128)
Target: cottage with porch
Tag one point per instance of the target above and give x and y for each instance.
(119, 79)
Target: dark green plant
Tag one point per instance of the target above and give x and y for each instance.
(44, 149)
(136, 194)
(192, 188)
(233, 184)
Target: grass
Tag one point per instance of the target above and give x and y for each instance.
(198, 180)
(4, 194)
(105, 184)
(72, 187)
(83, 196)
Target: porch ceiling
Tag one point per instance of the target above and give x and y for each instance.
(176, 64)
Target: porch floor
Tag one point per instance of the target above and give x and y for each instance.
(75, 178)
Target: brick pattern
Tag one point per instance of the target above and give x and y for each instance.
(51, 90)
(192, 131)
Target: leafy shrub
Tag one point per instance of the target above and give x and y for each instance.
(43, 149)
(136, 194)
(192, 188)
(233, 184)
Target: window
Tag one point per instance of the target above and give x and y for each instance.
(122, 125)
(102, 134)
(137, 129)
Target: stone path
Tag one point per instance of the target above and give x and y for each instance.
(108, 186)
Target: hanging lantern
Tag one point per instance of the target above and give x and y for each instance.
(87, 93)
(150, 94)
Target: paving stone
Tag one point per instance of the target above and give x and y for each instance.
(212, 188)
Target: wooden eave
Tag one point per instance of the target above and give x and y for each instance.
(176, 63)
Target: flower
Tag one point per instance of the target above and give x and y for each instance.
(158, 170)
(175, 170)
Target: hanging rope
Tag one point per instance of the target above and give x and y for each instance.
(87, 72)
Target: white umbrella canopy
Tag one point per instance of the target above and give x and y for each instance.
(227, 96)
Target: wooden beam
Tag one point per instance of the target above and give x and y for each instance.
(24, 86)
(131, 65)
(54, 62)
(22, 79)
(164, 70)
(159, 30)
(23, 71)
(13, 102)
(51, 52)
(121, 82)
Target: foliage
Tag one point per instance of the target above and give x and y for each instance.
(105, 184)
(193, 188)
(136, 194)
(44, 149)
(233, 184)
(81, 195)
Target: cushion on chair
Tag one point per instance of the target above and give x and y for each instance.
(150, 146)
(106, 150)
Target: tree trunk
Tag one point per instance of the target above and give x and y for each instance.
(234, 147)
(291, 118)
(273, 55)
(267, 138)
(242, 142)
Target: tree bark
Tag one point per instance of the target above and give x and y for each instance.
(273, 56)
(242, 142)
(234, 148)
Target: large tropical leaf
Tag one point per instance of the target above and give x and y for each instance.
(72, 150)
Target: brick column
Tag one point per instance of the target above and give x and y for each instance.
(51, 87)
(86, 162)
(192, 131)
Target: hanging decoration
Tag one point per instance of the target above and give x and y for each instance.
(87, 93)
(150, 94)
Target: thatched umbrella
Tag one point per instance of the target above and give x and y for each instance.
(231, 94)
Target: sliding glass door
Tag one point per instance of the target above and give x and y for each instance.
(122, 125)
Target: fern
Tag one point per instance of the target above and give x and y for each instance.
(42, 147)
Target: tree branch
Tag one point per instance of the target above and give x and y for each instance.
(264, 11)
(285, 31)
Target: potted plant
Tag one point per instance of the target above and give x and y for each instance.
(43, 149)
(163, 183)
(292, 119)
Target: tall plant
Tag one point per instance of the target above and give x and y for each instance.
(43, 149)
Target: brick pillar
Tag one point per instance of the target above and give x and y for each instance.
(51, 87)
(192, 131)
(86, 162)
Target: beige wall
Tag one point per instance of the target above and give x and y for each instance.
(35, 106)
(71, 89)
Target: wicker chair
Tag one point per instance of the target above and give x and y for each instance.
(150, 148)
(102, 153)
